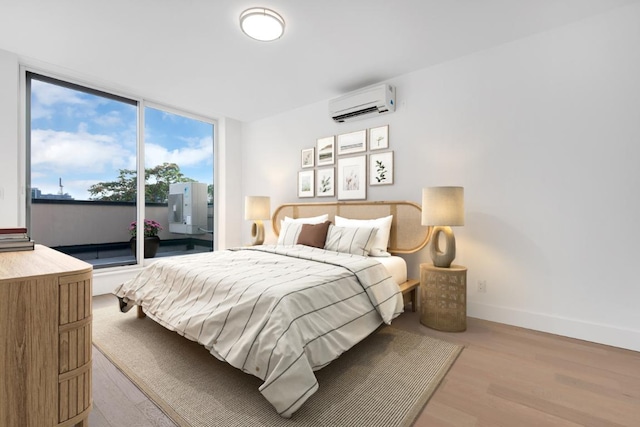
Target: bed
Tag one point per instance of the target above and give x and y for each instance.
(280, 312)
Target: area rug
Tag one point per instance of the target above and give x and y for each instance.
(383, 381)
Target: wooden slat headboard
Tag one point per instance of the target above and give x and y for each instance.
(408, 235)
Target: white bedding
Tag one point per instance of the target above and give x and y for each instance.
(278, 313)
(396, 266)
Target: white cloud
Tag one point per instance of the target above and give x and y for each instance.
(112, 118)
(46, 95)
(171, 117)
(49, 94)
(51, 101)
(200, 152)
(77, 152)
(40, 112)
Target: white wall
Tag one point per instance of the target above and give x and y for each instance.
(544, 134)
(228, 187)
(9, 145)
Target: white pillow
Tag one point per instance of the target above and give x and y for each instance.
(383, 225)
(350, 240)
(289, 233)
(310, 220)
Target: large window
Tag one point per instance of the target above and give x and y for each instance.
(84, 150)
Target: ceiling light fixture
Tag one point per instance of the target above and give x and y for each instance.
(262, 24)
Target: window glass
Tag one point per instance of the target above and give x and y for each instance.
(80, 144)
(82, 147)
(179, 180)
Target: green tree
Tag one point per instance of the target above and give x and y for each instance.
(123, 189)
(210, 193)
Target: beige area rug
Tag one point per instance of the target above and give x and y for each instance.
(383, 381)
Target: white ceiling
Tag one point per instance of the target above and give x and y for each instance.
(191, 54)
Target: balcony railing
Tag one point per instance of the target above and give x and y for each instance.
(98, 232)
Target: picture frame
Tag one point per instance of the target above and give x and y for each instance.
(381, 168)
(352, 142)
(307, 158)
(325, 149)
(326, 182)
(379, 138)
(306, 186)
(352, 176)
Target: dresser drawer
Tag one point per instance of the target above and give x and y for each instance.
(74, 346)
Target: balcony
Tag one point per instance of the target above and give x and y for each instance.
(97, 232)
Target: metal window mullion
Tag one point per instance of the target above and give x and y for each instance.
(140, 186)
(25, 148)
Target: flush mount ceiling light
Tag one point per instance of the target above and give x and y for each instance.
(262, 24)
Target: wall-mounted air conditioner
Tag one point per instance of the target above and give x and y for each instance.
(188, 208)
(363, 103)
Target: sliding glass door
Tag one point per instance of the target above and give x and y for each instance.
(85, 155)
(179, 179)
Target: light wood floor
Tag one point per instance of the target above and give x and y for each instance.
(505, 376)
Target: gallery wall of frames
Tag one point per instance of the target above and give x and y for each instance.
(344, 165)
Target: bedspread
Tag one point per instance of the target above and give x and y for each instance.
(276, 312)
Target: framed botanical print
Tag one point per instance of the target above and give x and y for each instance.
(308, 159)
(353, 142)
(379, 138)
(381, 168)
(325, 147)
(352, 178)
(305, 183)
(326, 182)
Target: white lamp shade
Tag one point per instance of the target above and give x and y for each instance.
(262, 24)
(443, 206)
(257, 207)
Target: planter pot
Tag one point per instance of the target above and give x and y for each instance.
(151, 245)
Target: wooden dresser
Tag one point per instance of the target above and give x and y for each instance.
(45, 339)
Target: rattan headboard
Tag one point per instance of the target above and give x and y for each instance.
(408, 235)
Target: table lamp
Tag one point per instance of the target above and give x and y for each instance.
(443, 207)
(257, 208)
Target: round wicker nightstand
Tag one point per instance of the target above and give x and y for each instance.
(443, 297)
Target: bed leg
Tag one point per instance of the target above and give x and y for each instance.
(124, 305)
(141, 314)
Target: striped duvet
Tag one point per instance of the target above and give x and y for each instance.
(276, 312)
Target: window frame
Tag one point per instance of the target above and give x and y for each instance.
(75, 83)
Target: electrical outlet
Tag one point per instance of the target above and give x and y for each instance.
(482, 286)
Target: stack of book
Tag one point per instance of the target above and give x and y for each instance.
(15, 239)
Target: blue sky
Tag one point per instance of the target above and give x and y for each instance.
(84, 139)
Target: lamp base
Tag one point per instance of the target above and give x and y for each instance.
(257, 233)
(441, 258)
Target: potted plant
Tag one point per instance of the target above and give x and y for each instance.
(151, 239)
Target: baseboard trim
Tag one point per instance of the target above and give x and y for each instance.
(106, 280)
(572, 328)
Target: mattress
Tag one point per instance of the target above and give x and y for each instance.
(396, 266)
